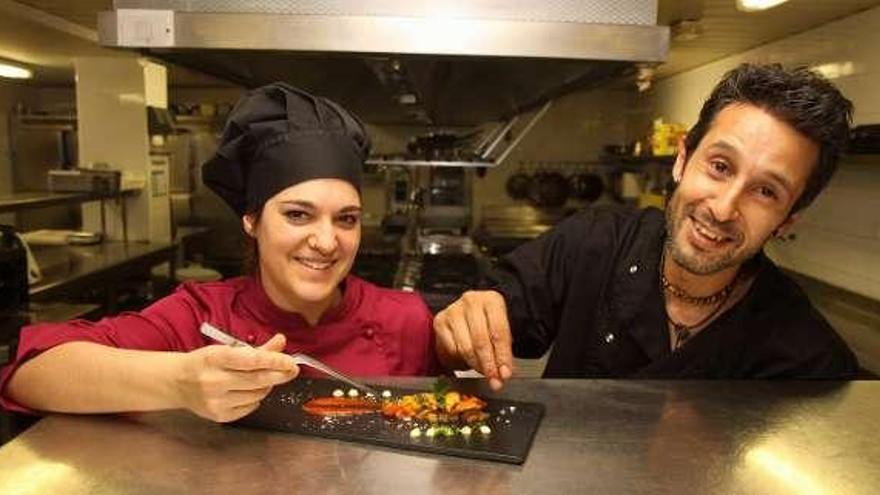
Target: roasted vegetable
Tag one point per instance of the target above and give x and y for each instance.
(449, 407)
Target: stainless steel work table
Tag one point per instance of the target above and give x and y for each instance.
(76, 267)
(597, 437)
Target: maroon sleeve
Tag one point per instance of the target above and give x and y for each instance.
(170, 324)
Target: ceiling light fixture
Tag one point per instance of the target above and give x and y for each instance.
(14, 71)
(644, 77)
(835, 70)
(757, 5)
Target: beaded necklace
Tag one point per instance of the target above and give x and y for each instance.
(683, 331)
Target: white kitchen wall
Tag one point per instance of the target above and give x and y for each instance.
(838, 240)
(112, 129)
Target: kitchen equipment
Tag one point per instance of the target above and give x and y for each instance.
(447, 199)
(299, 358)
(84, 180)
(513, 424)
(865, 139)
(586, 186)
(61, 237)
(440, 146)
(549, 189)
(517, 185)
(81, 238)
(13, 271)
(502, 228)
(631, 186)
(517, 55)
(10, 327)
(445, 244)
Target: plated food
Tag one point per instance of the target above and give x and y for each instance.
(446, 421)
(340, 406)
(442, 412)
(447, 407)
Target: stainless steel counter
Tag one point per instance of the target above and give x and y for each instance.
(597, 437)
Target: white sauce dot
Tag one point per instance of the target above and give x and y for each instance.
(353, 392)
(338, 393)
(386, 393)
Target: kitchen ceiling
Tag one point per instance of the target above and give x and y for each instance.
(726, 31)
(720, 30)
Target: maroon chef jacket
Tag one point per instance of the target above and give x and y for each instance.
(373, 332)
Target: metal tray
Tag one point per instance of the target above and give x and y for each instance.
(513, 424)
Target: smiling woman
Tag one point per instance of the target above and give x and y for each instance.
(305, 239)
(289, 165)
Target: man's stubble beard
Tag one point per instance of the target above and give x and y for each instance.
(696, 264)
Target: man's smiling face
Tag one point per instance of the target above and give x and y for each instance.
(736, 189)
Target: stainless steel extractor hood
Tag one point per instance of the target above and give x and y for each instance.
(447, 63)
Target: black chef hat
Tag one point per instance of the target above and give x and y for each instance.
(278, 136)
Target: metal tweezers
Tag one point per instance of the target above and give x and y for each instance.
(299, 358)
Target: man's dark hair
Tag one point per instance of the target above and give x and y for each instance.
(799, 97)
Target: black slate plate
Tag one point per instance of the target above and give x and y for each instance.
(513, 424)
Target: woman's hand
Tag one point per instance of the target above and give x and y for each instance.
(224, 383)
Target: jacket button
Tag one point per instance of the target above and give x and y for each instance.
(251, 338)
(609, 338)
(633, 268)
(368, 333)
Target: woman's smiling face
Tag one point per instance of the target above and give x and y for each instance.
(307, 237)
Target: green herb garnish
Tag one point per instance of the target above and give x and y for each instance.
(441, 386)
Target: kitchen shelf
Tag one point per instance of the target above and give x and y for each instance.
(667, 160)
(41, 199)
(199, 121)
(428, 163)
(46, 121)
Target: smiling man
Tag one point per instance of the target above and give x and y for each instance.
(621, 292)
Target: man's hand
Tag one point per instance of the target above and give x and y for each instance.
(474, 331)
(223, 383)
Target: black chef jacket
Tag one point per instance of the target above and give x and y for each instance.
(590, 287)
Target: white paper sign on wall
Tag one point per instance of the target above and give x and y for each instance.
(145, 27)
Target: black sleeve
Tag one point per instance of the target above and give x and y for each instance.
(536, 278)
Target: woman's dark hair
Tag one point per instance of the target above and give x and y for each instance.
(250, 264)
(799, 97)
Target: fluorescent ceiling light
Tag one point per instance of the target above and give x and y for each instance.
(13, 71)
(756, 5)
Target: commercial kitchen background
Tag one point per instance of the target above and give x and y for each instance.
(835, 251)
